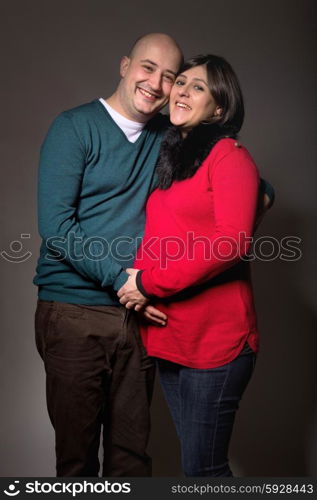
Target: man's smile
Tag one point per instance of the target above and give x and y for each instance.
(148, 95)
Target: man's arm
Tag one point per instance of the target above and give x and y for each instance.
(265, 201)
(268, 193)
(62, 166)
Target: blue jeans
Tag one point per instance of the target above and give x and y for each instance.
(203, 404)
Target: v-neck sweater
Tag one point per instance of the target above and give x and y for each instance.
(93, 186)
(196, 233)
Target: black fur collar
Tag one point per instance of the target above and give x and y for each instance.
(180, 158)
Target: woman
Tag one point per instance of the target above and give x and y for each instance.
(192, 267)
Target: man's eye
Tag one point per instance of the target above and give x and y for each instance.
(169, 78)
(148, 68)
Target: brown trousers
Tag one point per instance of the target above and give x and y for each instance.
(98, 376)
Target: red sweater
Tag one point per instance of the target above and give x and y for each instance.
(194, 237)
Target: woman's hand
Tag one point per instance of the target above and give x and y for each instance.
(129, 294)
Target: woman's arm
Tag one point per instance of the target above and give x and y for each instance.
(235, 182)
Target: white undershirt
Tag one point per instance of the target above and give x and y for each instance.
(131, 129)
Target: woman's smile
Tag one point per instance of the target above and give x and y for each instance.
(191, 101)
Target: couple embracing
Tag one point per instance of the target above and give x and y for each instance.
(115, 170)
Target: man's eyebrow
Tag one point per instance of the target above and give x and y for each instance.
(154, 64)
(149, 61)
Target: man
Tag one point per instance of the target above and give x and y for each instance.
(96, 172)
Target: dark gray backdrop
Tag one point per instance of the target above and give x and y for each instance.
(56, 55)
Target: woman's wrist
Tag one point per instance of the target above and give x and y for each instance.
(140, 287)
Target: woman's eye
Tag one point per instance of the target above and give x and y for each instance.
(198, 87)
(179, 82)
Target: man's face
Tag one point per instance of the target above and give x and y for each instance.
(147, 79)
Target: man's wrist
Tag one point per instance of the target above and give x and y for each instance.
(120, 280)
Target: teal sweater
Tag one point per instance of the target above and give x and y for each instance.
(93, 185)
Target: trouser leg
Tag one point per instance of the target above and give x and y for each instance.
(169, 378)
(77, 375)
(208, 401)
(126, 431)
(91, 359)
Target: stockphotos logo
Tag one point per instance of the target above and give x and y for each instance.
(12, 489)
(71, 488)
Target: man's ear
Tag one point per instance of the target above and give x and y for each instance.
(124, 64)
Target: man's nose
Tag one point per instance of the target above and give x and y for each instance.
(156, 81)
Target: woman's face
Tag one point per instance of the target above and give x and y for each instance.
(191, 101)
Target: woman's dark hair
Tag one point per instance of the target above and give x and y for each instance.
(224, 87)
(180, 158)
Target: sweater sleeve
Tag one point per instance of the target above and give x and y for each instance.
(268, 189)
(235, 184)
(62, 165)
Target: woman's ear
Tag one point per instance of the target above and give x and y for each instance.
(124, 64)
(218, 111)
(214, 118)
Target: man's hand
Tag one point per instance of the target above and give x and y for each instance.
(263, 206)
(129, 295)
(154, 315)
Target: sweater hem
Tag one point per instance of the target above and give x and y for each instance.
(185, 362)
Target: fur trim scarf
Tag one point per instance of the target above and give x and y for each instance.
(180, 158)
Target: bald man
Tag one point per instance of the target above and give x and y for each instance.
(96, 172)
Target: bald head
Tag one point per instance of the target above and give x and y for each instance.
(147, 77)
(159, 39)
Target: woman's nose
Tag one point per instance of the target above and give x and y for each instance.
(184, 91)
